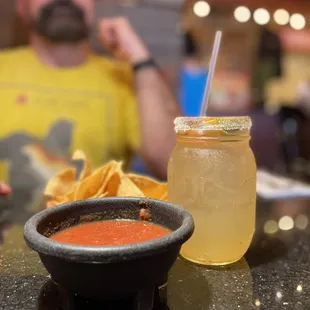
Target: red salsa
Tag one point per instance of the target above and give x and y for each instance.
(114, 232)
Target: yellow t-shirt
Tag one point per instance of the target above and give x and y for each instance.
(46, 113)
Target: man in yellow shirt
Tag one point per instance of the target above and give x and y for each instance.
(57, 96)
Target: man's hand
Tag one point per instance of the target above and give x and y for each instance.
(4, 189)
(119, 38)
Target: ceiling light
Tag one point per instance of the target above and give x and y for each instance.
(261, 16)
(286, 223)
(297, 21)
(242, 14)
(301, 221)
(201, 8)
(271, 227)
(281, 17)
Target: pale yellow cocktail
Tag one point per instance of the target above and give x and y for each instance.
(212, 174)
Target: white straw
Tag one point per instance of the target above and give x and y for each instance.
(212, 64)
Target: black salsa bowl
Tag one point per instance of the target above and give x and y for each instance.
(109, 272)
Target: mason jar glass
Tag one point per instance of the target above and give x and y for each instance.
(212, 174)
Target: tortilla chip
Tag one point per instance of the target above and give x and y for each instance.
(149, 187)
(72, 193)
(90, 186)
(128, 189)
(51, 204)
(106, 181)
(112, 178)
(103, 195)
(61, 184)
(164, 197)
(100, 195)
(113, 183)
(61, 199)
(86, 172)
(58, 200)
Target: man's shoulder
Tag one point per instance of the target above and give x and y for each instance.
(111, 64)
(119, 70)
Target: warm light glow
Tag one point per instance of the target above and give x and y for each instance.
(281, 17)
(279, 295)
(242, 14)
(299, 288)
(202, 8)
(286, 223)
(297, 21)
(271, 227)
(257, 303)
(301, 221)
(261, 16)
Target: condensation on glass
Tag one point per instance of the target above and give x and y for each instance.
(212, 174)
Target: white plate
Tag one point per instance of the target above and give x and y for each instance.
(271, 186)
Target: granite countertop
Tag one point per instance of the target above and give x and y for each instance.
(275, 273)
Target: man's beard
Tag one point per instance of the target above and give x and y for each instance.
(61, 21)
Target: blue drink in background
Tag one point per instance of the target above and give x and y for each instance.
(192, 85)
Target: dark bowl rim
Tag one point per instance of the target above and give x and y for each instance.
(106, 254)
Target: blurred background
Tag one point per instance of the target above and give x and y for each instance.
(263, 69)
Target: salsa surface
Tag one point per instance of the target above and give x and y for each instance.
(108, 233)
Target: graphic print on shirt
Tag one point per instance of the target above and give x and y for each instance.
(32, 161)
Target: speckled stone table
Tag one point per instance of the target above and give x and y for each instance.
(275, 273)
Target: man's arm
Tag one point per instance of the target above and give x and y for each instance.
(156, 104)
(157, 109)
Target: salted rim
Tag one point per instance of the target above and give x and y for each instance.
(182, 124)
